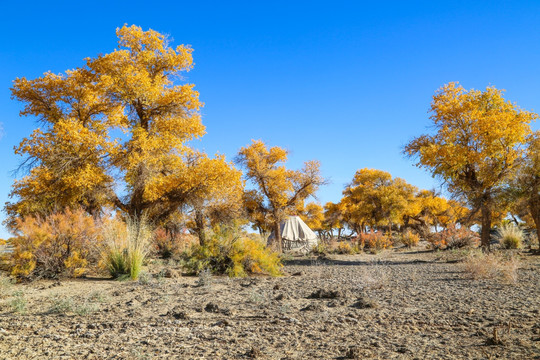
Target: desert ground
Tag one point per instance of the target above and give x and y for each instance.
(399, 304)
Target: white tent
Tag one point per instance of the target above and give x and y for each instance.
(296, 235)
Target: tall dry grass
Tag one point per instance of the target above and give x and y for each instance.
(126, 247)
(510, 236)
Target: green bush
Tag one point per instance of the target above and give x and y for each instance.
(229, 252)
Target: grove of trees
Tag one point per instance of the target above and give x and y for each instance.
(114, 136)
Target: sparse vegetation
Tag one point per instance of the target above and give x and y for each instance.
(6, 284)
(204, 278)
(74, 305)
(19, 303)
(492, 266)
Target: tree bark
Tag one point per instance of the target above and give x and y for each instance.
(199, 222)
(277, 243)
(486, 224)
(534, 206)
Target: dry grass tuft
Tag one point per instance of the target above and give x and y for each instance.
(510, 236)
(126, 247)
(492, 266)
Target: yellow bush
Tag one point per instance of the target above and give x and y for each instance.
(61, 243)
(374, 241)
(410, 239)
(227, 252)
(345, 248)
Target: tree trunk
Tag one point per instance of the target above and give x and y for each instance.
(486, 224)
(537, 222)
(199, 222)
(277, 245)
(534, 207)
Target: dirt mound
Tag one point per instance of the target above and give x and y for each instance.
(325, 294)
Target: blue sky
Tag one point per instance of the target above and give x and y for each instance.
(347, 83)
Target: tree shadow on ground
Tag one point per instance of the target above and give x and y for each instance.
(317, 262)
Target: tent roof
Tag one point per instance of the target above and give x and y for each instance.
(294, 229)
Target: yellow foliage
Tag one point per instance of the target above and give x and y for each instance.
(279, 190)
(233, 254)
(77, 159)
(62, 243)
(344, 248)
(409, 239)
(374, 198)
(313, 216)
(477, 146)
(374, 241)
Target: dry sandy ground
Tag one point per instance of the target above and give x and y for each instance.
(395, 305)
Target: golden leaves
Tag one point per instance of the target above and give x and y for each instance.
(375, 198)
(79, 155)
(477, 131)
(278, 189)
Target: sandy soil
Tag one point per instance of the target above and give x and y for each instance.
(395, 305)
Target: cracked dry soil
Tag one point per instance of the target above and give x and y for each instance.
(395, 305)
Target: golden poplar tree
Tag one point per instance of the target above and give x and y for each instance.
(313, 215)
(376, 199)
(115, 132)
(278, 189)
(334, 218)
(525, 188)
(476, 147)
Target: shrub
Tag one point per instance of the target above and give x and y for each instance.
(126, 246)
(19, 303)
(510, 236)
(374, 241)
(454, 238)
(332, 246)
(228, 252)
(409, 239)
(492, 266)
(344, 248)
(321, 248)
(5, 285)
(65, 305)
(167, 245)
(61, 243)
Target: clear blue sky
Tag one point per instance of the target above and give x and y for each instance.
(347, 83)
